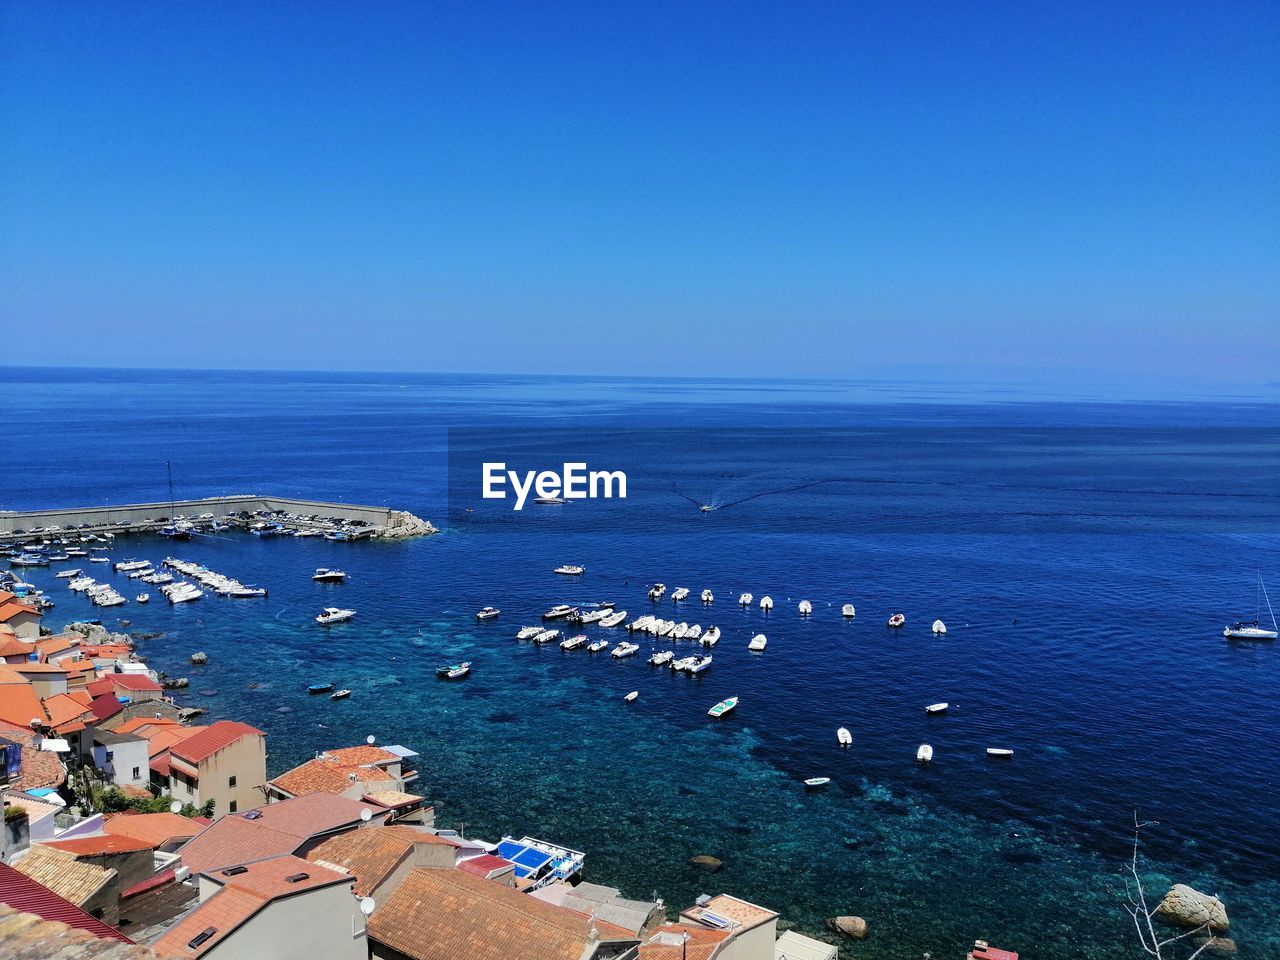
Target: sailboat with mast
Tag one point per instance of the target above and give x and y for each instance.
(1253, 629)
(175, 529)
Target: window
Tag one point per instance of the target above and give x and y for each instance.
(231, 782)
(137, 773)
(233, 806)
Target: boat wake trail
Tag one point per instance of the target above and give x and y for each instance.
(795, 488)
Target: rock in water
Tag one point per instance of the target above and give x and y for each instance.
(1218, 946)
(707, 863)
(200, 657)
(1190, 908)
(854, 927)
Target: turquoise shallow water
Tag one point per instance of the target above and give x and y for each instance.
(1114, 685)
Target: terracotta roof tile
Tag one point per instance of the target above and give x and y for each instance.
(11, 646)
(39, 767)
(480, 920)
(361, 755)
(98, 846)
(62, 873)
(667, 942)
(134, 682)
(213, 738)
(371, 854)
(19, 704)
(320, 775)
(21, 892)
(153, 828)
(104, 707)
(484, 865)
(136, 724)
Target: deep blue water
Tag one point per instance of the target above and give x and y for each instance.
(1084, 553)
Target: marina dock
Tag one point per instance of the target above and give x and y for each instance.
(239, 511)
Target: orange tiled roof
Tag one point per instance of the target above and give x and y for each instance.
(98, 846)
(217, 736)
(64, 712)
(39, 767)
(480, 920)
(12, 607)
(240, 898)
(153, 828)
(39, 668)
(48, 646)
(321, 775)
(11, 646)
(134, 682)
(135, 725)
(362, 755)
(667, 942)
(371, 854)
(19, 704)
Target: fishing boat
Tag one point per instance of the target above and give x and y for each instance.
(319, 687)
(999, 752)
(570, 570)
(488, 613)
(454, 671)
(806, 608)
(744, 600)
(897, 620)
(631, 696)
(625, 649)
(937, 708)
(325, 575)
(766, 604)
(924, 754)
(939, 627)
(659, 657)
(711, 637)
(844, 737)
(574, 642)
(340, 694)
(708, 596)
(142, 597)
(1252, 629)
(723, 707)
(546, 636)
(333, 615)
(816, 783)
(528, 633)
(597, 646)
(559, 611)
(758, 642)
(680, 593)
(848, 610)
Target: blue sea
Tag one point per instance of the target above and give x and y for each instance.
(1084, 549)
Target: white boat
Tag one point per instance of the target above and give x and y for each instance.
(640, 623)
(758, 642)
(694, 633)
(142, 597)
(558, 611)
(570, 570)
(597, 646)
(185, 596)
(816, 783)
(487, 613)
(744, 600)
(99, 559)
(723, 707)
(528, 633)
(924, 754)
(708, 596)
(680, 631)
(698, 664)
(939, 627)
(844, 737)
(124, 566)
(711, 637)
(662, 656)
(897, 620)
(546, 636)
(243, 592)
(680, 593)
(68, 574)
(806, 608)
(625, 649)
(766, 604)
(682, 664)
(664, 628)
(334, 615)
(848, 610)
(614, 618)
(657, 590)
(631, 696)
(110, 600)
(937, 708)
(574, 642)
(550, 500)
(1252, 629)
(340, 694)
(999, 752)
(81, 584)
(325, 575)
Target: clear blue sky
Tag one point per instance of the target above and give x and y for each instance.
(718, 189)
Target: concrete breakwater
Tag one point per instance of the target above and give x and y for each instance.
(240, 510)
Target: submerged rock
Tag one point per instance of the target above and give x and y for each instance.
(1188, 907)
(853, 927)
(706, 862)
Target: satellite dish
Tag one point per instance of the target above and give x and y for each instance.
(175, 806)
(370, 740)
(367, 905)
(366, 814)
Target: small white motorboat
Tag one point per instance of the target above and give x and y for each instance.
(816, 783)
(758, 642)
(546, 636)
(558, 611)
(698, 664)
(124, 566)
(924, 754)
(325, 575)
(745, 600)
(897, 620)
(659, 657)
(99, 559)
(806, 608)
(680, 631)
(695, 632)
(999, 752)
(680, 593)
(142, 597)
(766, 604)
(573, 643)
(711, 637)
(625, 649)
(570, 570)
(340, 694)
(723, 707)
(597, 646)
(937, 708)
(613, 619)
(682, 664)
(487, 613)
(527, 633)
(844, 737)
(848, 610)
(657, 590)
(550, 500)
(333, 615)
(939, 627)
(68, 574)
(708, 596)
(631, 696)
(454, 671)
(640, 623)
